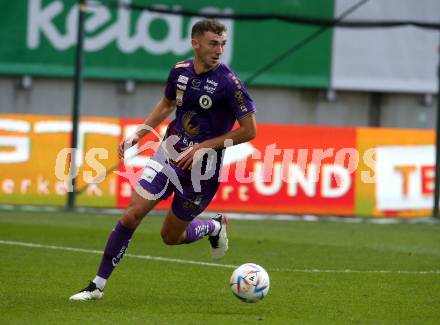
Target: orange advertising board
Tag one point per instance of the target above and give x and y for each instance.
(30, 146)
(316, 184)
(285, 169)
(395, 177)
(295, 170)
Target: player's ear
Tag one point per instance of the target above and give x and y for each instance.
(195, 43)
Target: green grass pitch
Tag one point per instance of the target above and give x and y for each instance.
(387, 283)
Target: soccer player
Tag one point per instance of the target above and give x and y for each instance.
(208, 98)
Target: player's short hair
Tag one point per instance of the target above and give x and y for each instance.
(207, 25)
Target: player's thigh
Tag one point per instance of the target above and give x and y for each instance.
(190, 204)
(173, 229)
(137, 209)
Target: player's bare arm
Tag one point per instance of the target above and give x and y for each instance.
(246, 131)
(160, 112)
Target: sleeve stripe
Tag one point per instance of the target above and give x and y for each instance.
(248, 113)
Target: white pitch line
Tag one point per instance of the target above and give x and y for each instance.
(229, 266)
(93, 251)
(355, 271)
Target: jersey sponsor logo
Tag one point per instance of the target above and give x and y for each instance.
(212, 82)
(182, 87)
(210, 86)
(191, 129)
(187, 142)
(209, 89)
(196, 84)
(183, 79)
(205, 101)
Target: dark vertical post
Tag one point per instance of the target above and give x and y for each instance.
(437, 145)
(375, 110)
(76, 102)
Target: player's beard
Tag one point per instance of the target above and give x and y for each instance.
(209, 65)
(208, 62)
(214, 62)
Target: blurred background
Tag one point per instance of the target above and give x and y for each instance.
(352, 110)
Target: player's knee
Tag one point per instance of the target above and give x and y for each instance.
(168, 239)
(131, 219)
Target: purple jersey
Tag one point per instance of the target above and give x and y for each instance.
(208, 104)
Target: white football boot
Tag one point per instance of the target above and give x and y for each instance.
(219, 243)
(91, 292)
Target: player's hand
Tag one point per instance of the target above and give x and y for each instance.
(126, 144)
(189, 156)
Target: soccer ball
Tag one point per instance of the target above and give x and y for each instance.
(250, 282)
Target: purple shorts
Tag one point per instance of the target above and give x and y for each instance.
(162, 178)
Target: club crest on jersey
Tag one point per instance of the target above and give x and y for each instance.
(205, 101)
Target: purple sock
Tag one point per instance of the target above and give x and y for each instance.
(197, 229)
(115, 249)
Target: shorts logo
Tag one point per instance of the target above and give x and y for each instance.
(182, 79)
(193, 205)
(187, 205)
(205, 101)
